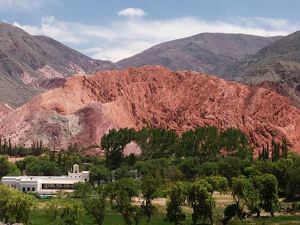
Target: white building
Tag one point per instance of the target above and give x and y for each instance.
(47, 185)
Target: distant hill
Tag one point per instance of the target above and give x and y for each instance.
(86, 107)
(206, 52)
(278, 63)
(26, 61)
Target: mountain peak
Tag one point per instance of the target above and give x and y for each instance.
(205, 52)
(26, 61)
(279, 63)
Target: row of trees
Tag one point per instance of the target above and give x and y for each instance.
(123, 195)
(277, 151)
(251, 195)
(51, 163)
(10, 149)
(205, 143)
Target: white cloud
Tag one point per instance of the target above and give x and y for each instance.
(123, 38)
(132, 12)
(24, 4)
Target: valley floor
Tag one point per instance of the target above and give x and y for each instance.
(41, 217)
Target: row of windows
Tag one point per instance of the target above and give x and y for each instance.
(24, 189)
(47, 186)
(58, 186)
(28, 189)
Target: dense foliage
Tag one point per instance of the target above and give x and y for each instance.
(15, 206)
(187, 170)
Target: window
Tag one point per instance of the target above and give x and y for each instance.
(58, 186)
(28, 189)
(23, 189)
(33, 189)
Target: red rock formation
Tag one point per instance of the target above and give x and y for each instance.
(86, 107)
(4, 109)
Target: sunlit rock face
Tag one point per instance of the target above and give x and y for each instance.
(87, 106)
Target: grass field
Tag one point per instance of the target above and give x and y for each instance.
(41, 217)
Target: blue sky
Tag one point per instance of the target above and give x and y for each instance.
(116, 29)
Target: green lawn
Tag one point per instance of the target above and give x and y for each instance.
(39, 217)
(278, 220)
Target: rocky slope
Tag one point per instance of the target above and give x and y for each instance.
(86, 107)
(4, 109)
(206, 52)
(27, 60)
(278, 63)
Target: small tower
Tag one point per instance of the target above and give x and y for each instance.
(75, 168)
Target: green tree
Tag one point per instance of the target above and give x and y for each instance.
(4, 209)
(293, 184)
(202, 142)
(121, 193)
(71, 211)
(64, 211)
(233, 141)
(20, 206)
(157, 142)
(172, 173)
(280, 169)
(98, 174)
(244, 195)
(96, 206)
(190, 167)
(154, 167)
(275, 150)
(208, 169)
(124, 172)
(66, 159)
(7, 168)
(176, 198)
(82, 190)
(230, 167)
(149, 186)
(267, 186)
(229, 213)
(293, 188)
(218, 183)
(42, 167)
(113, 145)
(284, 149)
(15, 206)
(201, 201)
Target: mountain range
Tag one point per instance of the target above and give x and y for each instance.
(272, 62)
(86, 107)
(52, 93)
(277, 63)
(26, 61)
(206, 52)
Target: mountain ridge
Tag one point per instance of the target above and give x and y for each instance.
(278, 63)
(27, 60)
(204, 52)
(86, 107)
